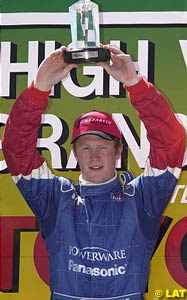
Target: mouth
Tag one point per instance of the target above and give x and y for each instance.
(95, 168)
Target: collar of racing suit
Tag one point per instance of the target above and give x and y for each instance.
(116, 184)
(88, 183)
(85, 188)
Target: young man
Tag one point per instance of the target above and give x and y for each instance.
(100, 233)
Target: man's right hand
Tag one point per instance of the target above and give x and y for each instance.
(52, 70)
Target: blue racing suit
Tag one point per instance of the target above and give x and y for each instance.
(100, 237)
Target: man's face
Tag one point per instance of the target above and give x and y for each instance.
(96, 157)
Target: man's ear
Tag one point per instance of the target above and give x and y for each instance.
(74, 151)
(119, 151)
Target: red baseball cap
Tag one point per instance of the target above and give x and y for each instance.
(97, 123)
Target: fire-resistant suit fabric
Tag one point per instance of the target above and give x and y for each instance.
(100, 237)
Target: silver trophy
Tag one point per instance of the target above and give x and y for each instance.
(85, 46)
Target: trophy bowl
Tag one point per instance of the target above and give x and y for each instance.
(85, 46)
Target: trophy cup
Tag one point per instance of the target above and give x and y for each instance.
(85, 46)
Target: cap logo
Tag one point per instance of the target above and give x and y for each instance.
(86, 121)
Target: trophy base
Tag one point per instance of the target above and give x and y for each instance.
(86, 55)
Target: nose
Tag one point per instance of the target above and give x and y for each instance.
(94, 154)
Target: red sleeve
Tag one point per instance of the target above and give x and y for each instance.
(21, 131)
(165, 134)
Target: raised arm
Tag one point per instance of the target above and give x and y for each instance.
(164, 132)
(24, 121)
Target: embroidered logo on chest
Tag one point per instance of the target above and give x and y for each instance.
(117, 196)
